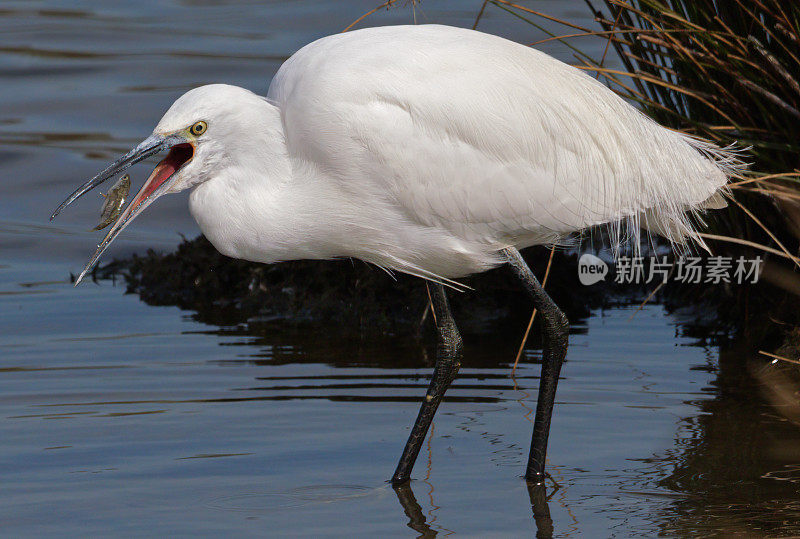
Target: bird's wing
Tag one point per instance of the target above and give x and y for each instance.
(495, 141)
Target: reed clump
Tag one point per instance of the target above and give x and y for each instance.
(726, 71)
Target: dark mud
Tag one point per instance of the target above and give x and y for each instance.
(359, 299)
(349, 294)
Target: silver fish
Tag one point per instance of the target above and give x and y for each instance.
(115, 200)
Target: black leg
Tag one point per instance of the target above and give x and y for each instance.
(448, 361)
(556, 338)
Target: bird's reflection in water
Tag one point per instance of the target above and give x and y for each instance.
(412, 509)
(541, 510)
(418, 522)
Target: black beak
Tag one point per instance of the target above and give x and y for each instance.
(150, 146)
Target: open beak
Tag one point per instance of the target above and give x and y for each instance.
(181, 152)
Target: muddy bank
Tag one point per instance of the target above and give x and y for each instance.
(348, 294)
(360, 299)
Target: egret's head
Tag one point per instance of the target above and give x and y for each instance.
(199, 130)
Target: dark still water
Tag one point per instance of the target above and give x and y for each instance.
(119, 418)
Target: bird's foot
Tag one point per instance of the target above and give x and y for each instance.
(400, 480)
(540, 479)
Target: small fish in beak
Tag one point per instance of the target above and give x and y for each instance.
(181, 151)
(115, 199)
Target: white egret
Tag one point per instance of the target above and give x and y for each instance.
(429, 150)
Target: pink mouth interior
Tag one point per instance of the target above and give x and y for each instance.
(177, 157)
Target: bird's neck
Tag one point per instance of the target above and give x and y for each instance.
(260, 205)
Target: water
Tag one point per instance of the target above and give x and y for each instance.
(126, 419)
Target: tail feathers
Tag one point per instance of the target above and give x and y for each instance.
(714, 202)
(678, 222)
(728, 159)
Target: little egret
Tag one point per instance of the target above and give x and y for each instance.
(429, 150)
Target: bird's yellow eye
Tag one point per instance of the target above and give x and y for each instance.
(198, 128)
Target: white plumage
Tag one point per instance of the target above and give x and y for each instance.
(428, 150)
